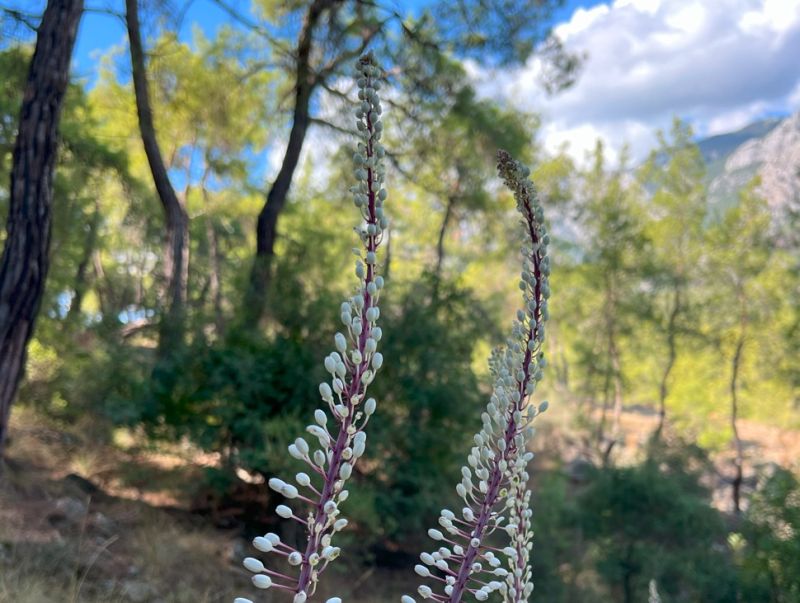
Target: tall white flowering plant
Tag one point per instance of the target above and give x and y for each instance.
(338, 436)
(485, 548)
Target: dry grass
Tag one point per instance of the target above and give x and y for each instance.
(136, 540)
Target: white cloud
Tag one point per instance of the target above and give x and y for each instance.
(719, 64)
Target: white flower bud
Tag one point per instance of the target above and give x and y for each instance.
(289, 491)
(421, 570)
(341, 343)
(325, 391)
(339, 525)
(295, 558)
(377, 360)
(276, 484)
(369, 406)
(262, 544)
(345, 471)
(435, 534)
(262, 581)
(252, 564)
(320, 417)
(300, 598)
(407, 599)
(273, 538)
(283, 511)
(318, 432)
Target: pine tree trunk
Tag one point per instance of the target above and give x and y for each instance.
(176, 241)
(25, 262)
(267, 225)
(81, 276)
(440, 251)
(672, 355)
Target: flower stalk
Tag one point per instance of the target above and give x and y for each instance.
(352, 367)
(494, 480)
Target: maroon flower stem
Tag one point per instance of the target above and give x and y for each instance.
(354, 388)
(496, 475)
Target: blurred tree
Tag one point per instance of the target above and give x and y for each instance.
(675, 176)
(742, 299)
(612, 240)
(654, 522)
(334, 32)
(25, 261)
(175, 257)
(453, 160)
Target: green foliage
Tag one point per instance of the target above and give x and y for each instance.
(653, 521)
(769, 543)
(429, 395)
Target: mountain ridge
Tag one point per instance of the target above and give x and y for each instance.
(768, 149)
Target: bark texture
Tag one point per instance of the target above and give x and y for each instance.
(176, 241)
(266, 228)
(25, 262)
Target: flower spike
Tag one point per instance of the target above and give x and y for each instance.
(494, 481)
(337, 435)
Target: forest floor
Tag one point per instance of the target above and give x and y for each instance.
(98, 522)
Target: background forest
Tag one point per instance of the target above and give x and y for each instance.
(187, 310)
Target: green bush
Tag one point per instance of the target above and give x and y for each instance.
(769, 544)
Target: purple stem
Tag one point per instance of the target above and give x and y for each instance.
(495, 476)
(350, 390)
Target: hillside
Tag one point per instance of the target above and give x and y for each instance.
(769, 150)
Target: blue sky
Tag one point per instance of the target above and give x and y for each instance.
(720, 64)
(99, 32)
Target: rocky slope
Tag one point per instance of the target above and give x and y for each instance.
(774, 157)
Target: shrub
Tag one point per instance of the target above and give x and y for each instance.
(770, 555)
